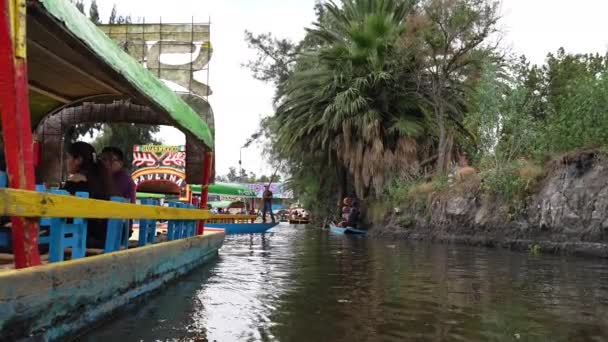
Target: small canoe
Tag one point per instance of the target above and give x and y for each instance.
(348, 230)
(299, 221)
(242, 228)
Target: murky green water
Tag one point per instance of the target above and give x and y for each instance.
(303, 284)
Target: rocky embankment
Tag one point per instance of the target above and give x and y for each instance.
(566, 213)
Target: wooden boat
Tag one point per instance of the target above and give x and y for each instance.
(299, 221)
(72, 66)
(242, 228)
(346, 231)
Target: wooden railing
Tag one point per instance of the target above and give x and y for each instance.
(37, 205)
(24, 203)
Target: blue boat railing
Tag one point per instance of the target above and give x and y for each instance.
(61, 235)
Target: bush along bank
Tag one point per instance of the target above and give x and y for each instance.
(559, 208)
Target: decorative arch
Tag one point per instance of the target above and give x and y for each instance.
(110, 109)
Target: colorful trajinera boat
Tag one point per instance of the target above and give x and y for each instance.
(241, 228)
(72, 74)
(347, 230)
(234, 224)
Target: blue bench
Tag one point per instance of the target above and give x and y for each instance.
(147, 227)
(180, 229)
(64, 235)
(60, 234)
(117, 236)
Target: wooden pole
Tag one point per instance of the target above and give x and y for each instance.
(16, 127)
(207, 166)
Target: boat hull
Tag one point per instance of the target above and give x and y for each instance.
(56, 301)
(242, 228)
(346, 231)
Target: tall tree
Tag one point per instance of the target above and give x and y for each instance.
(351, 98)
(94, 12)
(80, 6)
(125, 136)
(448, 37)
(113, 14)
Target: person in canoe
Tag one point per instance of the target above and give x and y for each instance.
(347, 202)
(353, 215)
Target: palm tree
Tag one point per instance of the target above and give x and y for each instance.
(350, 99)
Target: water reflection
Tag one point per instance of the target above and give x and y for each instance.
(299, 284)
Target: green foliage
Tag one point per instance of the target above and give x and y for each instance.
(503, 181)
(242, 176)
(534, 249)
(80, 5)
(379, 91)
(124, 136)
(540, 111)
(397, 191)
(347, 97)
(113, 15)
(440, 183)
(406, 221)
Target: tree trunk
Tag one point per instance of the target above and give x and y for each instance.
(343, 190)
(446, 142)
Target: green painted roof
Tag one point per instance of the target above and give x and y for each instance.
(148, 195)
(225, 189)
(142, 79)
(219, 204)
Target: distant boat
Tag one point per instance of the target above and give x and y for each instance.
(348, 230)
(299, 221)
(242, 228)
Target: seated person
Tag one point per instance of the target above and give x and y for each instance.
(87, 174)
(114, 161)
(353, 216)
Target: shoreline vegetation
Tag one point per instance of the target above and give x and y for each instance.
(415, 108)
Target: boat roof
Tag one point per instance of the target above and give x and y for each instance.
(149, 195)
(226, 189)
(222, 204)
(71, 60)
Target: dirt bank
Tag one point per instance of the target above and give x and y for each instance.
(566, 213)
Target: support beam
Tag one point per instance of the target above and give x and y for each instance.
(207, 167)
(73, 67)
(50, 94)
(16, 129)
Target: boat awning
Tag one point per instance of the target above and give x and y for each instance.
(143, 195)
(71, 60)
(219, 204)
(225, 189)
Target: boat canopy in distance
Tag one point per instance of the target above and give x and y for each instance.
(225, 189)
(70, 61)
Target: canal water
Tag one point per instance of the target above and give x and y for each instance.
(303, 284)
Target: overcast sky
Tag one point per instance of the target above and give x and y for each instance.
(531, 27)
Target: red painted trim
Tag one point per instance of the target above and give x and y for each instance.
(17, 135)
(207, 167)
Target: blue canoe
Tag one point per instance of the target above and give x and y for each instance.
(242, 228)
(349, 231)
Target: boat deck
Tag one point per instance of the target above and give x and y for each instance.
(7, 261)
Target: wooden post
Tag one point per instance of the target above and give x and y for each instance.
(207, 166)
(16, 127)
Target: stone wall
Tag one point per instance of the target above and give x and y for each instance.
(568, 213)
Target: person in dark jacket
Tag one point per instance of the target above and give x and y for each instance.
(353, 215)
(114, 160)
(88, 174)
